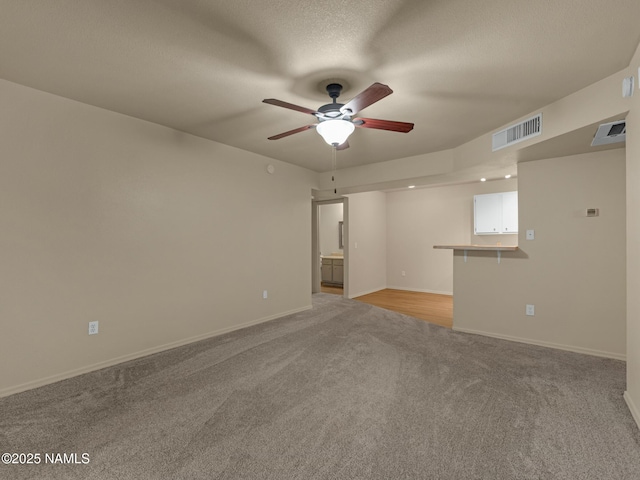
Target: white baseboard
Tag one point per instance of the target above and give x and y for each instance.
(5, 392)
(558, 346)
(367, 292)
(635, 413)
(421, 290)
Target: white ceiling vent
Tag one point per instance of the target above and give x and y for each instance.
(528, 128)
(612, 132)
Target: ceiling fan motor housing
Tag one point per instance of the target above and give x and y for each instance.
(331, 110)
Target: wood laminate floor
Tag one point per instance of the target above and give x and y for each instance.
(434, 308)
(330, 289)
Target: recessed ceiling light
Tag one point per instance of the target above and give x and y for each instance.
(483, 179)
(411, 186)
(507, 176)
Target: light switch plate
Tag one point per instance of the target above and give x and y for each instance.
(531, 235)
(628, 85)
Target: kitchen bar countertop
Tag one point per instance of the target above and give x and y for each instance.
(492, 248)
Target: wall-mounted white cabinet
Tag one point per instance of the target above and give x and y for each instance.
(495, 213)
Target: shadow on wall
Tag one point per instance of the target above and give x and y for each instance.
(517, 254)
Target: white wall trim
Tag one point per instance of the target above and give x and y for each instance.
(632, 407)
(558, 346)
(421, 290)
(143, 353)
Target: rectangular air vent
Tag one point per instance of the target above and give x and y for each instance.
(517, 133)
(612, 132)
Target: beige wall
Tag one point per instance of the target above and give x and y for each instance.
(420, 218)
(574, 270)
(367, 237)
(160, 236)
(632, 394)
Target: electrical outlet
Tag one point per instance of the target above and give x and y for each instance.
(264, 294)
(530, 310)
(93, 328)
(403, 273)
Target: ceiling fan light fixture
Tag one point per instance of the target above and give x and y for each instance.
(335, 132)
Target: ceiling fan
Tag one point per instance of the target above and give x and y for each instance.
(335, 120)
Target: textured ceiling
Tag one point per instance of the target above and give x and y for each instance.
(458, 68)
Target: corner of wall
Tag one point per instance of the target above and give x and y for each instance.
(632, 395)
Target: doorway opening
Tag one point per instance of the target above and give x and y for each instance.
(330, 246)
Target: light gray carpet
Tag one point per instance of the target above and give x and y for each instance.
(343, 391)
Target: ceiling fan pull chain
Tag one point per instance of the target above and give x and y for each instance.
(333, 167)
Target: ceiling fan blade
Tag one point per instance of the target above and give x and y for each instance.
(291, 132)
(371, 95)
(290, 106)
(390, 125)
(344, 146)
